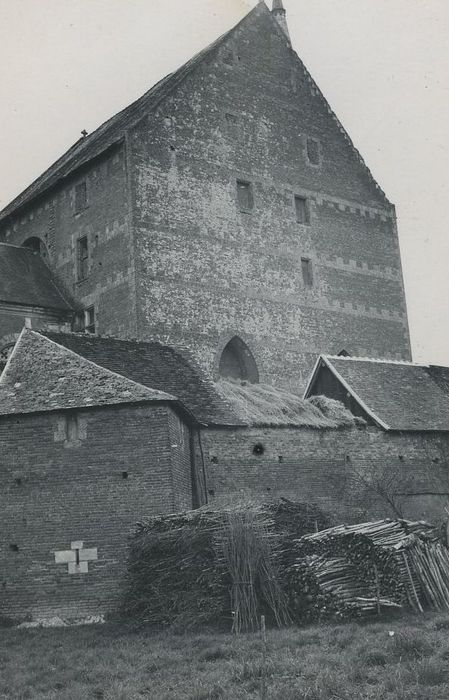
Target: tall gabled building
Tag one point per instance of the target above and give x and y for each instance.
(226, 210)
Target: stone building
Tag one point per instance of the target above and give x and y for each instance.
(98, 433)
(226, 205)
(223, 227)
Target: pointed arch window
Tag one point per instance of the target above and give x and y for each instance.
(237, 362)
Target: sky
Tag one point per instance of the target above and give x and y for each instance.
(383, 65)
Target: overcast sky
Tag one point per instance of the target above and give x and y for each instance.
(67, 65)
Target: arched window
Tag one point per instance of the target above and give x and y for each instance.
(34, 243)
(237, 362)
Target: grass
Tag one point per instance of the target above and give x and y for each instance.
(332, 662)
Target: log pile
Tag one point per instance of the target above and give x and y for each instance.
(209, 565)
(356, 570)
(232, 564)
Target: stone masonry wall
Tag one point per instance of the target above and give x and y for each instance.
(56, 490)
(332, 468)
(207, 271)
(13, 319)
(104, 220)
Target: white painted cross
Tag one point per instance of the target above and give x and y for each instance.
(77, 558)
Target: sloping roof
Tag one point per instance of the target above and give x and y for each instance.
(397, 395)
(112, 131)
(263, 405)
(26, 279)
(154, 365)
(43, 376)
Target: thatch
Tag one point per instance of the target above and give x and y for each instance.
(267, 406)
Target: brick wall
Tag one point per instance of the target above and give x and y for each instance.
(172, 256)
(331, 468)
(54, 492)
(54, 219)
(206, 271)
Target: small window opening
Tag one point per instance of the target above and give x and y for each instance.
(343, 353)
(14, 547)
(124, 475)
(280, 459)
(80, 197)
(214, 460)
(72, 428)
(313, 151)
(82, 248)
(307, 274)
(258, 449)
(302, 210)
(18, 481)
(245, 197)
(89, 320)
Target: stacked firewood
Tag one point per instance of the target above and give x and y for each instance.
(360, 569)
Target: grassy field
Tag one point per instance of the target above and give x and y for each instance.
(341, 662)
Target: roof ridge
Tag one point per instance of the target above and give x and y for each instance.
(375, 360)
(177, 75)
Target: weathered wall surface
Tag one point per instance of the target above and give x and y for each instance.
(54, 491)
(333, 468)
(14, 318)
(207, 271)
(104, 220)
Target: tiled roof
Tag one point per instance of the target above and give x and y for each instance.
(397, 395)
(154, 365)
(26, 279)
(43, 376)
(113, 130)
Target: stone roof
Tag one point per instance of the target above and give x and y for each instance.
(397, 395)
(155, 365)
(113, 130)
(25, 279)
(44, 376)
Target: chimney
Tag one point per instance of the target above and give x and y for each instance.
(279, 15)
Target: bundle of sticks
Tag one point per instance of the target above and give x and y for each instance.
(359, 569)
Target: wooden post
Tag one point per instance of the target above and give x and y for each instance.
(263, 632)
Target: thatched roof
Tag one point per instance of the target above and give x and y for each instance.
(265, 405)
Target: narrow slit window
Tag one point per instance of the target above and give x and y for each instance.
(302, 210)
(80, 196)
(313, 151)
(89, 320)
(83, 258)
(72, 428)
(307, 274)
(245, 197)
